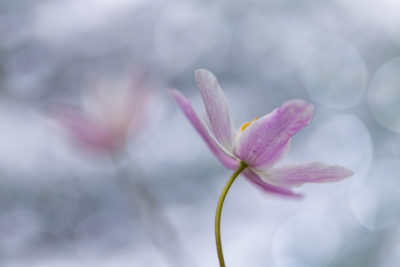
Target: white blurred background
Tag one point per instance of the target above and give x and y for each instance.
(98, 167)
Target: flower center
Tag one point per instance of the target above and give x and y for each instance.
(246, 124)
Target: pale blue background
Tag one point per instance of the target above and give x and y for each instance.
(63, 206)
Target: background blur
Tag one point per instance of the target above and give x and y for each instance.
(93, 176)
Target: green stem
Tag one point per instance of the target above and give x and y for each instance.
(219, 210)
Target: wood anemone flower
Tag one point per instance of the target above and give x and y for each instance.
(258, 144)
(112, 111)
(256, 147)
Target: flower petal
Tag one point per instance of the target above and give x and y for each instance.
(275, 157)
(263, 141)
(269, 188)
(314, 172)
(217, 108)
(228, 161)
(86, 131)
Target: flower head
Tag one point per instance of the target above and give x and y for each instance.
(260, 144)
(112, 110)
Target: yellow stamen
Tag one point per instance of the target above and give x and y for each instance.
(246, 124)
(253, 120)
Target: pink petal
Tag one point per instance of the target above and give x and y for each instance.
(86, 131)
(228, 161)
(269, 188)
(217, 108)
(315, 172)
(265, 140)
(275, 158)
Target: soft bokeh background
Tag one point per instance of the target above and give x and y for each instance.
(151, 201)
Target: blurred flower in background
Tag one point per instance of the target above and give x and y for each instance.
(110, 115)
(110, 112)
(61, 207)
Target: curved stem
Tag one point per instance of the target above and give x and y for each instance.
(219, 210)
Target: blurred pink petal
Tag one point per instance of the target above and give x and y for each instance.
(112, 111)
(86, 131)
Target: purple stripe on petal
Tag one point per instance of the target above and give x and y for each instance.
(314, 172)
(217, 108)
(272, 189)
(263, 141)
(227, 160)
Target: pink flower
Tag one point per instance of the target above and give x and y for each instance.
(112, 111)
(260, 144)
